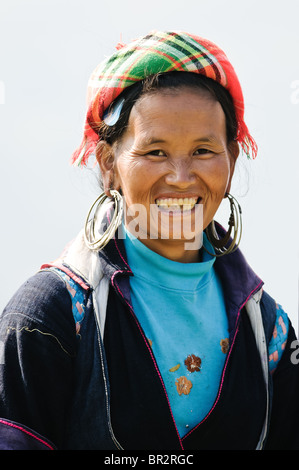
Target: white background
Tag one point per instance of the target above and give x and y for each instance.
(48, 48)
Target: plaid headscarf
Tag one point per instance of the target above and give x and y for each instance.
(158, 52)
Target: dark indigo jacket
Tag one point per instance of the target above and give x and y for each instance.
(78, 391)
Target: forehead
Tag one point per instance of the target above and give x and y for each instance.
(183, 110)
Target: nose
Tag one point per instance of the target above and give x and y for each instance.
(180, 175)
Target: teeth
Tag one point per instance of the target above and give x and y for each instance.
(175, 204)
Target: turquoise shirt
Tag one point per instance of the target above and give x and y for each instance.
(181, 310)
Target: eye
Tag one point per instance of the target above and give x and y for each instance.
(157, 153)
(204, 152)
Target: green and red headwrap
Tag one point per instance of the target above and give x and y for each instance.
(158, 52)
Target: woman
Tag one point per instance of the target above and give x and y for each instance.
(151, 331)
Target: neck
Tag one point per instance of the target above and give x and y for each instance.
(174, 250)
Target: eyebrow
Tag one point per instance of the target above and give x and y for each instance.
(152, 140)
(155, 140)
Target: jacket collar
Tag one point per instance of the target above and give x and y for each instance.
(238, 279)
(239, 282)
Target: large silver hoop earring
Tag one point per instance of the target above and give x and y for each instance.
(94, 224)
(233, 234)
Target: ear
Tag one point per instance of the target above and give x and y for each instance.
(234, 151)
(105, 158)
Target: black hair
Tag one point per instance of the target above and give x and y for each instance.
(169, 80)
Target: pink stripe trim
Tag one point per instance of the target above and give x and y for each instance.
(121, 254)
(155, 364)
(116, 245)
(151, 354)
(225, 365)
(7, 423)
(68, 272)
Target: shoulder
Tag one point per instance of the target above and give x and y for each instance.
(277, 326)
(269, 313)
(43, 299)
(274, 316)
(279, 337)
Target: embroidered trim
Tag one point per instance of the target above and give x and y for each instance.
(66, 270)
(279, 338)
(76, 294)
(36, 330)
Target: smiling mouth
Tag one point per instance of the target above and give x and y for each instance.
(177, 204)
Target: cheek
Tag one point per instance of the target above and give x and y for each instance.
(217, 177)
(133, 178)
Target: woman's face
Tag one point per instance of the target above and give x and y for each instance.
(173, 155)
